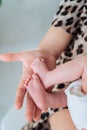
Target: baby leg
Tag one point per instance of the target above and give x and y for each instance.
(42, 98)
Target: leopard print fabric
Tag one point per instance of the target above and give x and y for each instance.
(72, 17)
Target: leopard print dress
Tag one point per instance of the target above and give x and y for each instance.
(72, 17)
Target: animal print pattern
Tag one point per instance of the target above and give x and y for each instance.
(72, 17)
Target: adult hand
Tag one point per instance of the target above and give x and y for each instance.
(26, 57)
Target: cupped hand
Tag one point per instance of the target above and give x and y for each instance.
(26, 57)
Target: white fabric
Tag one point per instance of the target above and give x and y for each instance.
(77, 104)
(14, 119)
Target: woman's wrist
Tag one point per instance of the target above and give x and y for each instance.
(48, 51)
(55, 41)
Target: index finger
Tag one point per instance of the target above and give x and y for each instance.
(9, 57)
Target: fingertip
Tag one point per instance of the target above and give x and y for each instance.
(37, 118)
(29, 119)
(37, 115)
(18, 106)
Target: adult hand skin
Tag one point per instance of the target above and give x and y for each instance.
(26, 57)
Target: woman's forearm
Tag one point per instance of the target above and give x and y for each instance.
(55, 40)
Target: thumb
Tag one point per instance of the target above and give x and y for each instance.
(9, 57)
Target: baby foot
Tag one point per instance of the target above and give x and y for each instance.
(37, 92)
(43, 99)
(39, 67)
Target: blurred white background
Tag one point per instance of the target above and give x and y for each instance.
(23, 23)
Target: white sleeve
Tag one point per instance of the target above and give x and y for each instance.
(77, 104)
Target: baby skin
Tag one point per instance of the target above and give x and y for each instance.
(67, 72)
(43, 99)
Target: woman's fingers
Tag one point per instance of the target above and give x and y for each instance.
(9, 57)
(20, 94)
(37, 114)
(31, 109)
(30, 106)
